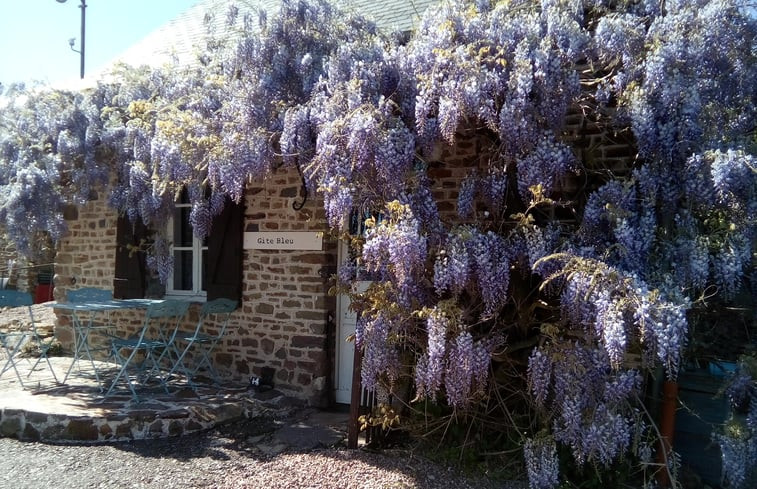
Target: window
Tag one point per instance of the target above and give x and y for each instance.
(190, 255)
(203, 269)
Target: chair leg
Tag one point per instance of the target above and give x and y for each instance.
(165, 353)
(154, 367)
(122, 372)
(43, 348)
(181, 367)
(11, 362)
(204, 353)
(49, 365)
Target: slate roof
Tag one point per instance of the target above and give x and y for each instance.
(390, 15)
(177, 38)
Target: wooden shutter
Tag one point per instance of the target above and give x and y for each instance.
(224, 267)
(130, 280)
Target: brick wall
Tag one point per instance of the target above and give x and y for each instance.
(448, 166)
(601, 152)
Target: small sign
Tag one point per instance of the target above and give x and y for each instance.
(283, 241)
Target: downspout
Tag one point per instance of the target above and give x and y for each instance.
(667, 427)
(353, 427)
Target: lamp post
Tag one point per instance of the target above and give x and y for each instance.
(71, 41)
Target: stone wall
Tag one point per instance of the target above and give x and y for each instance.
(8, 254)
(85, 257)
(284, 321)
(600, 152)
(286, 310)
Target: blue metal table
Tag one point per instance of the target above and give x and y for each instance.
(83, 316)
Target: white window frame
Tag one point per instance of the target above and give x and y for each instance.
(197, 247)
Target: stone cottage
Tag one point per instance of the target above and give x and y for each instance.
(273, 252)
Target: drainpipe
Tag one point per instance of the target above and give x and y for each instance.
(667, 426)
(330, 359)
(353, 427)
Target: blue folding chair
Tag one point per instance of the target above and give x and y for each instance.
(165, 318)
(15, 298)
(203, 340)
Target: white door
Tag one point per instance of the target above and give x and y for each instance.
(345, 350)
(346, 319)
(345, 328)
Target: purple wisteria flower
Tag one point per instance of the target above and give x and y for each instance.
(430, 369)
(542, 464)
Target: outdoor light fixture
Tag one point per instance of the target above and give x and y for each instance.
(71, 41)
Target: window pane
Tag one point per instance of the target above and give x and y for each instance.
(182, 270)
(182, 230)
(355, 223)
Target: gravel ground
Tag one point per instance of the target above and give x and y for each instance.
(14, 318)
(222, 458)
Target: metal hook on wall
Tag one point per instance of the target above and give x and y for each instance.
(299, 205)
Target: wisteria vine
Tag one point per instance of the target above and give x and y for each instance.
(535, 243)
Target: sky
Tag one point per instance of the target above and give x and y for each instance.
(34, 34)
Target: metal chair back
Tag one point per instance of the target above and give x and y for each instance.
(165, 319)
(89, 294)
(218, 306)
(15, 298)
(167, 308)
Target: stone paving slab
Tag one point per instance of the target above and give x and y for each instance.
(305, 431)
(76, 412)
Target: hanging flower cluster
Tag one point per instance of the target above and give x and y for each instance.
(49, 149)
